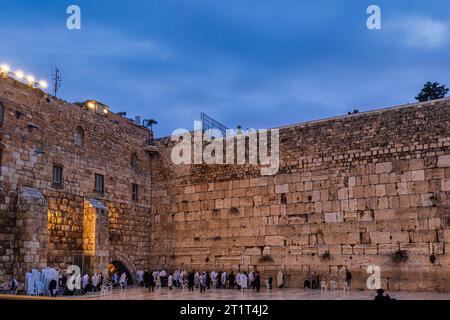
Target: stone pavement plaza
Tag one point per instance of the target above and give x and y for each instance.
(275, 294)
(138, 293)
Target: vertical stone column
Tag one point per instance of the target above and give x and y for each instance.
(32, 235)
(96, 236)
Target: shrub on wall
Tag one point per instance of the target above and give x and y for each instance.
(234, 210)
(432, 258)
(265, 258)
(325, 256)
(399, 256)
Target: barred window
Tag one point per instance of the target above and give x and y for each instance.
(79, 136)
(57, 176)
(98, 183)
(134, 191)
(134, 160)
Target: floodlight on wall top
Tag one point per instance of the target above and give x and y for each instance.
(19, 75)
(97, 107)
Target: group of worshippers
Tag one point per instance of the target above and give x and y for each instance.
(155, 279)
(92, 284)
(97, 282)
(203, 280)
(316, 282)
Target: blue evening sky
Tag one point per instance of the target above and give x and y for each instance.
(255, 63)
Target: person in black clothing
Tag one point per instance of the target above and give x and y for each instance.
(191, 277)
(231, 279)
(52, 287)
(307, 284)
(208, 280)
(219, 279)
(100, 281)
(146, 278)
(151, 282)
(381, 297)
(257, 281)
(270, 283)
(348, 277)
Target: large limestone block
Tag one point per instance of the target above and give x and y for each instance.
(443, 161)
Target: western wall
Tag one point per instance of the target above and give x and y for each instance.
(364, 189)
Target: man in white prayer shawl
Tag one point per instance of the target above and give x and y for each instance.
(214, 278)
(280, 281)
(123, 280)
(250, 279)
(224, 279)
(244, 281)
(176, 278)
(238, 280)
(94, 282)
(196, 279)
(84, 281)
(170, 281)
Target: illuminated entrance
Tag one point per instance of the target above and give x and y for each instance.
(117, 266)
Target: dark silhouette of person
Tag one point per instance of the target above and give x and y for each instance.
(231, 280)
(146, 278)
(208, 280)
(257, 281)
(191, 279)
(348, 277)
(151, 282)
(307, 284)
(52, 287)
(100, 281)
(270, 283)
(219, 279)
(381, 297)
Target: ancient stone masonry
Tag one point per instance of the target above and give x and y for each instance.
(44, 223)
(353, 191)
(359, 190)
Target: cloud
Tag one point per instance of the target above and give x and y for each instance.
(96, 42)
(423, 32)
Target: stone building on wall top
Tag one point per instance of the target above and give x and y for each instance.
(82, 185)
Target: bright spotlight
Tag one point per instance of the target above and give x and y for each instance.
(30, 79)
(43, 84)
(5, 68)
(19, 74)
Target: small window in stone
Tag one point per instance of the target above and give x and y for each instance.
(134, 191)
(79, 136)
(134, 160)
(99, 186)
(2, 111)
(57, 176)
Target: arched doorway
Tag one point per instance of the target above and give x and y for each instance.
(119, 267)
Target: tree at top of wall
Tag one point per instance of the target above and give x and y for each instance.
(150, 123)
(432, 91)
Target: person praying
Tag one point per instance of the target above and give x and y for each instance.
(280, 281)
(170, 281)
(203, 282)
(244, 280)
(123, 280)
(191, 279)
(197, 279)
(224, 279)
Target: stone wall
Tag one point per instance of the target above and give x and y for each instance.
(38, 132)
(351, 192)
